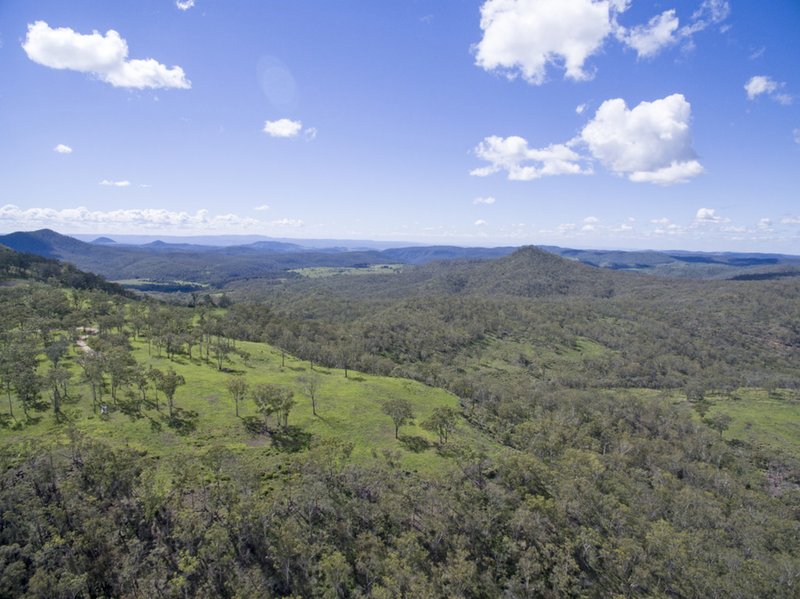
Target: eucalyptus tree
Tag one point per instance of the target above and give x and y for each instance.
(310, 383)
(400, 411)
(237, 387)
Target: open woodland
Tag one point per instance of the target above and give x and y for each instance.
(521, 426)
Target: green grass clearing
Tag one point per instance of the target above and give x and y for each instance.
(349, 409)
(318, 272)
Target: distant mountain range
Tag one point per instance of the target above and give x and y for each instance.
(217, 265)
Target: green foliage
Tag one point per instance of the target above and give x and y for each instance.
(442, 422)
(237, 387)
(400, 411)
(557, 484)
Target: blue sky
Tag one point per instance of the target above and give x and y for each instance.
(584, 123)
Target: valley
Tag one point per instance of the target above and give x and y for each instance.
(392, 429)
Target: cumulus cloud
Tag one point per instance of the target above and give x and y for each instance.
(103, 56)
(62, 149)
(288, 128)
(759, 84)
(108, 183)
(480, 222)
(765, 224)
(664, 30)
(521, 37)
(649, 143)
(523, 163)
(487, 200)
(262, 207)
(709, 216)
(283, 128)
(764, 85)
(580, 109)
(790, 220)
(184, 4)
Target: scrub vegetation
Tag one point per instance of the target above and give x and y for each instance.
(521, 427)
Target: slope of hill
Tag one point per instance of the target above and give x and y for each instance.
(125, 466)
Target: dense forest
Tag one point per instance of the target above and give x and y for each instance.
(571, 436)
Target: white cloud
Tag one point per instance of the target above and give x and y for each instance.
(62, 149)
(262, 207)
(648, 40)
(283, 128)
(760, 84)
(184, 4)
(489, 200)
(124, 220)
(676, 172)
(580, 109)
(109, 183)
(521, 37)
(660, 221)
(709, 216)
(591, 220)
(765, 224)
(650, 143)
(710, 12)
(288, 128)
(523, 163)
(764, 85)
(480, 222)
(104, 56)
(790, 220)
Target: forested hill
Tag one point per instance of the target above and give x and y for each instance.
(527, 272)
(533, 314)
(154, 450)
(28, 266)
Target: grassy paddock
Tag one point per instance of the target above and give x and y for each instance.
(348, 409)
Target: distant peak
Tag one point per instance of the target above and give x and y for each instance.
(103, 241)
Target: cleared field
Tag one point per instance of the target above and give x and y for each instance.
(349, 409)
(332, 271)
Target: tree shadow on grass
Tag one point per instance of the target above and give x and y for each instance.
(415, 443)
(132, 408)
(183, 422)
(291, 439)
(253, 425)
(155, 425)
(357, 379)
